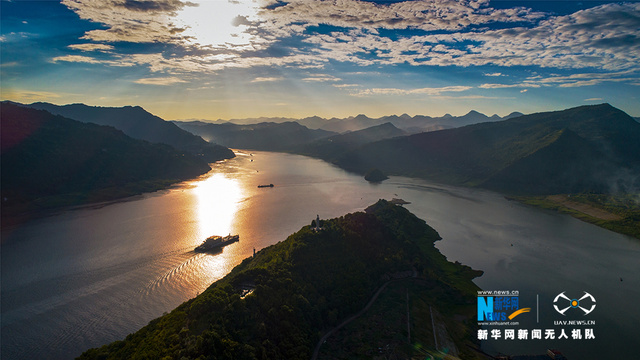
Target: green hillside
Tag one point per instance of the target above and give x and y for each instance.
(278, 304)
(50, 161)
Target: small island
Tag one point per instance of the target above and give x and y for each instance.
(375, 176)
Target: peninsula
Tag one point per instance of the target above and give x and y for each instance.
(379, 264)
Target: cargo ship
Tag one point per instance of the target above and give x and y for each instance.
(216, 242)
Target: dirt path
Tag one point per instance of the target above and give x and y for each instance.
(583, 208)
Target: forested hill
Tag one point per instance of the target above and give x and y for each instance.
(138, 123)
(50, 161)
(584, 149)
(278, 304)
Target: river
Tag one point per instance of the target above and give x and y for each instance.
(84, 277)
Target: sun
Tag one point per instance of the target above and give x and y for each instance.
(218, 23)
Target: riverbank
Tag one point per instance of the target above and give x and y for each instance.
(17, 214)
(618, 213)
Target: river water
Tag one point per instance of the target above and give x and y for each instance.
(85, 277)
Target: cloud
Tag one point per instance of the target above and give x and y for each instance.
(594, 99)
(573, 80)
(162, 81)
(266, 79)
(427, 15)
(311, 34)
(420, 91)
(507, 86)
(91, 47)
(321, 78)
(523, 91)
(27, 96)
(77, 59)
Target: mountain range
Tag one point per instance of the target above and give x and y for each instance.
(405, 122)
(137, 123)
(50, 161)
(263, 136)
(588, 148)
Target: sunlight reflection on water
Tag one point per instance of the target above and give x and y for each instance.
(218, 198)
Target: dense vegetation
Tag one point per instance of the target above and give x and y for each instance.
(302, 287)
(50, 161)
(137, 123)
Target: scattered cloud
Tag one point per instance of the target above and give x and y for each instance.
(594, 99)
(524, 91)
(311, 34)
(162, 81)
(91, 47)
(321, 78)
(28, 96)
(421, 91)
(342, 86)
(76, 59)
(507, 86)
(266, 79)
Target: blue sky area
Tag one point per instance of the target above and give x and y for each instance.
(228, 59)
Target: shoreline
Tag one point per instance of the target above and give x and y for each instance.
(606, 212)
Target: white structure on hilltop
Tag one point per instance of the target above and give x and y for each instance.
(317, 227)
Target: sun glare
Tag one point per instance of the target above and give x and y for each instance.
(218, 23)
(218, 199)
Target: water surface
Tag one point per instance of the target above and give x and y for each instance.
(86, 277)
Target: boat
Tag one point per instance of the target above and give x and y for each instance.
(216, 242)
(264, 186)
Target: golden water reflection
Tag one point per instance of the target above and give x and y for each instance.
(217, 204)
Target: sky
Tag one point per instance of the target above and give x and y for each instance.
(225, 59)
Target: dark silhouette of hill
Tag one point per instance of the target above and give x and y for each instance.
(589, 148)
(50, 161)
(410, 124)
(279, 303)
(137, 123)
(334, 146)
(262, 136)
